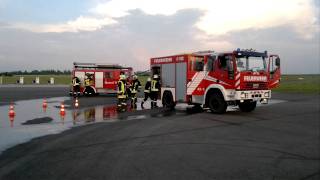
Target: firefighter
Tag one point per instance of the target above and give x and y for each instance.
(122, 91)
(155, 88)
(88, 82)
(76, 86)
(134, 89)
(147, 89)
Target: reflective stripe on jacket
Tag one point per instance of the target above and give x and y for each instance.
(136, 85)
(75, 82)
(87, 82)
(154, 85)
(121, 88)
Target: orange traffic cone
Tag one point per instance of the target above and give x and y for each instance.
(11, 111)
(44, 105)
(76, 104)
(62, 111)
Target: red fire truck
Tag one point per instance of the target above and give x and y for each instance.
(215, 80)
(102, 78)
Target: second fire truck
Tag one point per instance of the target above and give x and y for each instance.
(98, 78)
(215, 80)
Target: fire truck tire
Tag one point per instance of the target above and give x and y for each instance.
(248, 106)
(217, 103)
(167, 100)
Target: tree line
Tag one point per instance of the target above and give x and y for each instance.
(36, 72)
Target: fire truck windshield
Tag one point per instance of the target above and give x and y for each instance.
(251, 63)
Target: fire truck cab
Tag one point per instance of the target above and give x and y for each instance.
(98, 78)
(215, 80)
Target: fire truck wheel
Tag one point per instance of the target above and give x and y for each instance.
(217, 103)
(167, 100)
(247, 106)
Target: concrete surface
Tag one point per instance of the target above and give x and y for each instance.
(278, 141)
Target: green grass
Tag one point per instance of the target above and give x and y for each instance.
(309, 84)
(58, 79)
(289, 83)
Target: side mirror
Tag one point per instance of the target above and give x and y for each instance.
(277, 61)
(240, 64)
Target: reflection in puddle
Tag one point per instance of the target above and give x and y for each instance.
(39, 117)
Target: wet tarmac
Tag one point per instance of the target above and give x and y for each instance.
(33, 120)
(276, 141)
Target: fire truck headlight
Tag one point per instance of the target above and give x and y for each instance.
(266, 94)
(264, 101)
(242, 95)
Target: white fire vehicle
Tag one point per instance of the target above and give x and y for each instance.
(216, 80)
(102, 78)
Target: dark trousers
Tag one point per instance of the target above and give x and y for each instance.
(76, 89)
(128, 91)
(154, 95)
(146, 96)
(154, 98)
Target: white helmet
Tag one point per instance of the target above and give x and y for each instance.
(155, 76)
(135, 77)
(122, 77)
(149, 79)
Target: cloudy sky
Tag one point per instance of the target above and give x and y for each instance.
(45, 34)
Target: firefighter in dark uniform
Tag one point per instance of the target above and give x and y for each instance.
(88, 81)
(134, 89)
(122, 96)
(76, 86)
(147, 89)
(155, 89)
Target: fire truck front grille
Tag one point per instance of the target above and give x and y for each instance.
(252, 85)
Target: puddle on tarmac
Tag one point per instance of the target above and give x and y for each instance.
(32, 120)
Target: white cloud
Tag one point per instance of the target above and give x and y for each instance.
(224, 16)
(219, 16)
(139, 36)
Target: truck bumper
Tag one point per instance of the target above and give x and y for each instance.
(255, 95)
